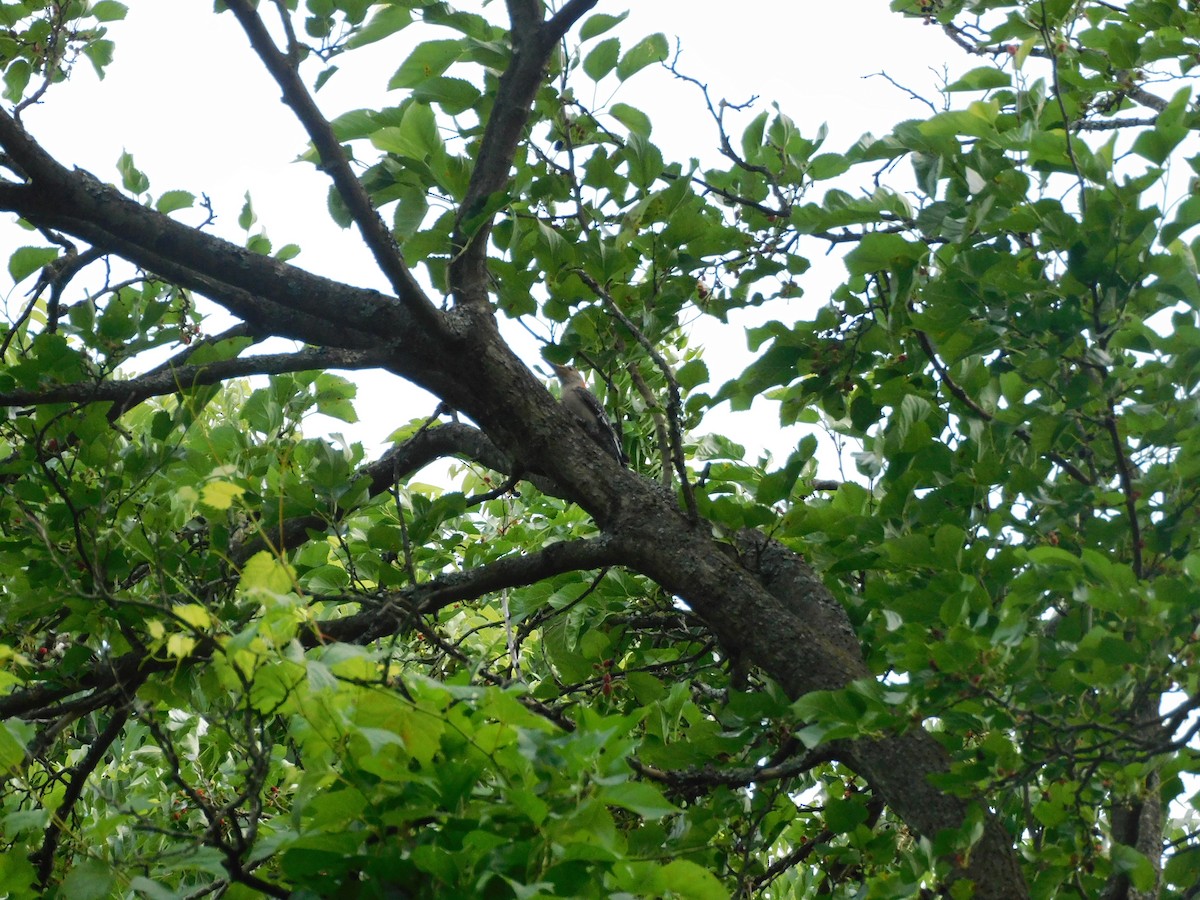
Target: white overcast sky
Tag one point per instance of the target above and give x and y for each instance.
(188, 99)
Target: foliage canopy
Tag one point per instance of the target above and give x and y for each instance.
(242, 659)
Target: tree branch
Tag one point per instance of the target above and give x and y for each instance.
(44, 858)
(127, 394)
(428, 445)
(276, 297)
(394, 610)
(560, 23)
(377, 236)
(532, 44)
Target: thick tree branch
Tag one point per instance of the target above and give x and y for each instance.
(276, 297)
(525, 17)
(767, 606)
(42, 702)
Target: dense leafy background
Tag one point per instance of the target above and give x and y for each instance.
(1012, 358)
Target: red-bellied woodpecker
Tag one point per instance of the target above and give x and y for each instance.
(584, 406)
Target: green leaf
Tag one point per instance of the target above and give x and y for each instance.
(883, 252)
(334, 396)
(16, 79)
(646, 52)
(108, 11)
(599, 23)
(1128, 861)
(692, 374)
(27, 260)
(17, 875)
(694, 882)
(220, 495)
(638, 797)
(827, 165)
(386, 21)
(602, 58)
(984, 78)
(265, 574)
(173, 200)
(12, 750)
(633, 119)
(454, 95)
(844, 815)
(1158, 143)
(752, 136)
(132, 178)
(427, 61)
(100, 54)
(416, 136)
(247, 217)
(353, 124)
(410, 211)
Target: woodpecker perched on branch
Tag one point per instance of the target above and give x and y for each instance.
(584, 406)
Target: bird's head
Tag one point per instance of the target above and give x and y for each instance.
(567, 374)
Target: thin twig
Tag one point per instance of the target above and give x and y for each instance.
(377, 236)
(1126, 474)
(675, 401)
(44, 858)
(962, 396)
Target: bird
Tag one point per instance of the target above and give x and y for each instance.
(588, 411)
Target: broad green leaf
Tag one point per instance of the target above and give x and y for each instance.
(108, 11)
(12, 749)
(633, 119)
(90, 880)
(878, 252)
(598, 23)
(602, 58)
(247, 217)
(132, 179)
(173, 200)
(220, 495)
(646, 52)
(27, 260)
(687, 879)
(638, 797)
(384, 22)
(983, 78)
(428, 60)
